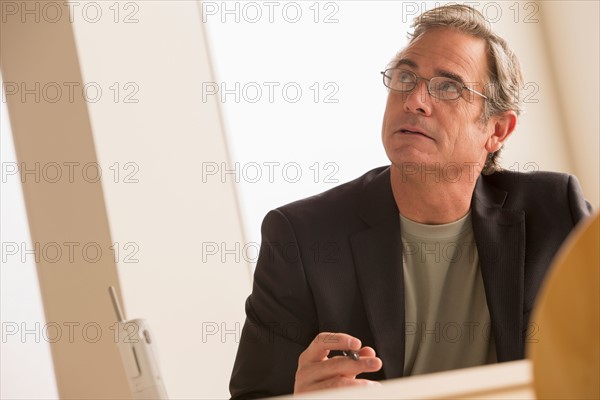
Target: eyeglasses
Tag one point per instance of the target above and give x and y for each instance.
(402, 80)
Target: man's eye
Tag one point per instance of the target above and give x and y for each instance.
(405, 77)
(449, 86)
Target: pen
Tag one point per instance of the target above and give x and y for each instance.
(351, 354)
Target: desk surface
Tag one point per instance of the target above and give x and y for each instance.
(511, 380)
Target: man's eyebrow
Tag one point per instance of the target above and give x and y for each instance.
(451, 75)
(438, 72)
(407, 62)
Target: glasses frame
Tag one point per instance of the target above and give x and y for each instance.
(462, 85)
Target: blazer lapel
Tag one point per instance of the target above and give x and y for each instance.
(500, 238)
(377, 253)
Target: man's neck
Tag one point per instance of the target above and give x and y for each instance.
(432, 199)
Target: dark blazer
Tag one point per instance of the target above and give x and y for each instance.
(333, 262)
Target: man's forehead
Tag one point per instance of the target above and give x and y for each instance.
(447, 52)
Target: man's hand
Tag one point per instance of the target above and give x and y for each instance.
(316, 371)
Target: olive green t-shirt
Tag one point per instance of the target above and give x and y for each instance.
(446, 313)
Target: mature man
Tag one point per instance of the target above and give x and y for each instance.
(432, 263)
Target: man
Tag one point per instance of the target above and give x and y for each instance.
(432, 263)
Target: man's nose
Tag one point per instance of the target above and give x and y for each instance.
(418, 101)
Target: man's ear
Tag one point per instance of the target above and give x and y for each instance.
(502, 126)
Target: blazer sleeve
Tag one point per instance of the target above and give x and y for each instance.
(280, 316)
(580, 208)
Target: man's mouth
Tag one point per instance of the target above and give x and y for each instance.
(413, 132)
(407, 131)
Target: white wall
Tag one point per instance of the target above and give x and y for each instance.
(574, 44)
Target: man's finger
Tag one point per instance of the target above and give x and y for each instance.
(367, 352)
(324, 342)
(337, 366)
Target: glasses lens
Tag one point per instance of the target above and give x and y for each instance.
(445, 88)
(399, 79)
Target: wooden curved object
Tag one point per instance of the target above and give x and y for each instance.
(565, 335)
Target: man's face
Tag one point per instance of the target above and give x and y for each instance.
(450, 131)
